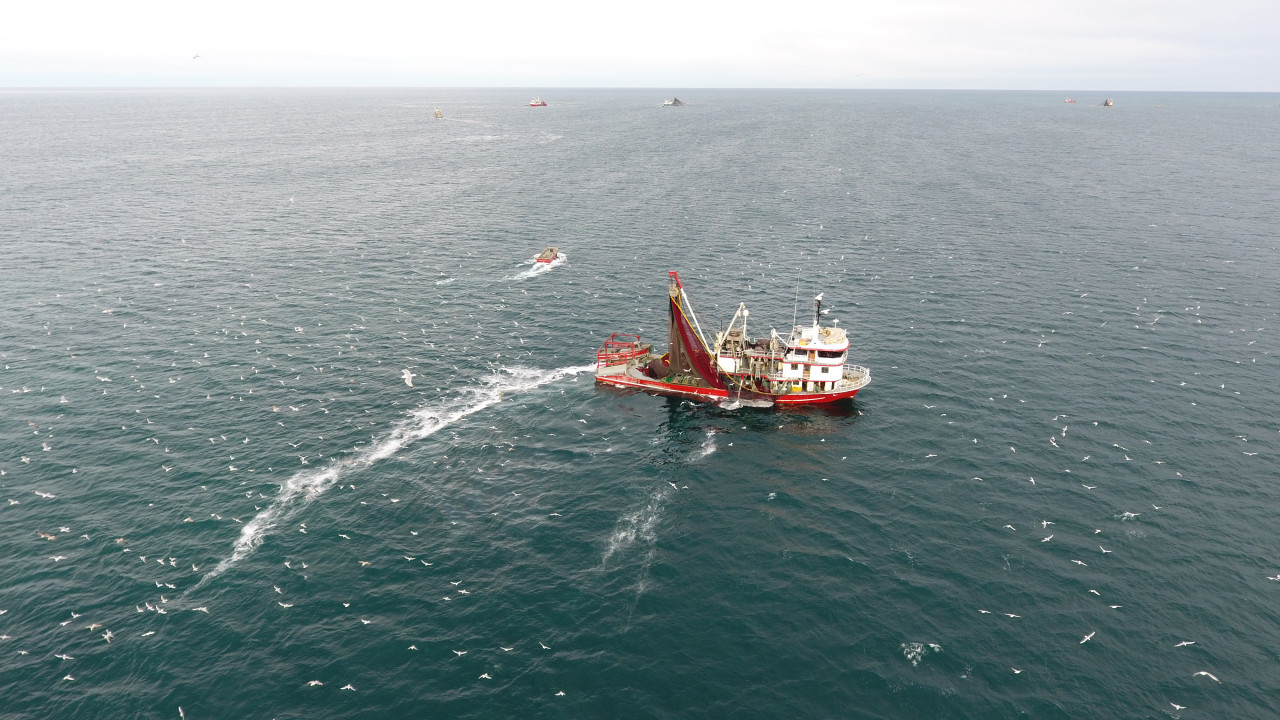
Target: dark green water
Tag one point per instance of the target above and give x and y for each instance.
(210, 297)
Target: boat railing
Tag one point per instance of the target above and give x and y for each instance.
(855, 376)
(619, 349)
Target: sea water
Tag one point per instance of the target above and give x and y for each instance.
(1069, 312)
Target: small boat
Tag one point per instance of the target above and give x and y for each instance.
(551, 253)
(537, 102)
(1070, 100)
(673, 102)
(808, 366)
(439, 115)
(1108, 103)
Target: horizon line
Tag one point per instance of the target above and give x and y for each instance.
(11, 88)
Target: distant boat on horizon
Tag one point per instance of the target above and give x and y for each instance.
(673, 102)
(439, 115)
(1070, 100)
(537, 102)
(1108, 103)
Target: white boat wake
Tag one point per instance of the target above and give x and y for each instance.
(540, 268)
(307, 485)
(636, 525)
(708, 446)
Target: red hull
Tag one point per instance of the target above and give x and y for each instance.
(664, 388)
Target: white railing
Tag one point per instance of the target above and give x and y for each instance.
(855, 377)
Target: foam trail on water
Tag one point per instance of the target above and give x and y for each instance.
(540, 268)
(306, 485)
(636, 525)
(708, 445)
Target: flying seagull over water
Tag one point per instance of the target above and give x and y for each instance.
(1088, 637)
(1208, 675)
(408, 377)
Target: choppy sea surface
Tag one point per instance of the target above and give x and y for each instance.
(1056, 499)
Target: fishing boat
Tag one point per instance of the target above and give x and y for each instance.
(673, 102)
(551, 253)
(537, 102)
(439, 115)
(1070, 100)
(807, 366)
(1109, 103)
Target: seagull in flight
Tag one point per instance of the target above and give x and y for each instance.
(1176, 706)
(1088, 637)
(313, 683)
(1208, 675)
(459, 653)
(346, 687)
(408, 377)
(1184, 643)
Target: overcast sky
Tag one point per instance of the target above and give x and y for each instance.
(1013, 44)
